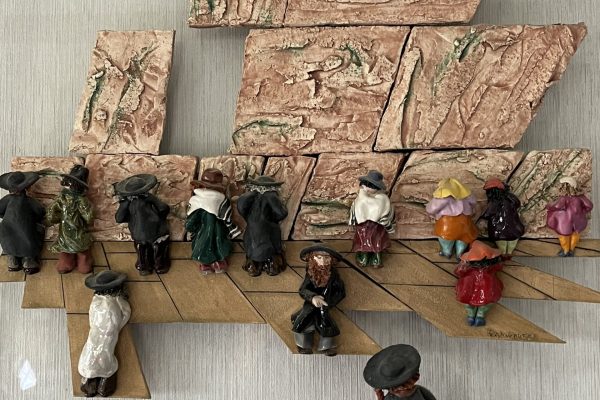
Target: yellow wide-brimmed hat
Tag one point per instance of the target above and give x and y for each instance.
(451, 187)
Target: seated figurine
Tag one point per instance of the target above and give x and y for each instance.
(147, 219)
(452, 207)
(22, 227)
(109, 312)
(72, 211)
(262, 210)
(396, 369)
(502, 215)
(567, 216)
(322, 290)
(209, 222)
(478, 287)
(372, 215)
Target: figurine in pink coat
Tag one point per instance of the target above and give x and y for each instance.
(568, 216)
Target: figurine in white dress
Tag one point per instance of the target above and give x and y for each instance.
(109, 312)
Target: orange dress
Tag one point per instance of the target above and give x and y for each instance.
(460, 227)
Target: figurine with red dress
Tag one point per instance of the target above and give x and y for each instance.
(478, 287)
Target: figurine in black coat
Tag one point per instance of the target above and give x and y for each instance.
(396, 369)
(147, 218)
(262, 210)
(321, 290)
(22, 229)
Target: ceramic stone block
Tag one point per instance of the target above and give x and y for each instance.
(294, 172)
(174, 174)
(315, 90)
(48, 187)
(536, 183)
(325, 208)
(474, 87)
(204, 14)
(424, 169)
(123, 106)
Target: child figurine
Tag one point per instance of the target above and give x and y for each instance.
(452, 207)
(478, 287)
(568, 215)
(147, 219)
(72, 212)
(373, 217)
(322, 290)
(262, 210)
(109, 312)
(22, 227)
(396, 369)
(209, 222)
(502, 215)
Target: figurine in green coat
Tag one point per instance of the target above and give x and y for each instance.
(72, 211)
(209, 222)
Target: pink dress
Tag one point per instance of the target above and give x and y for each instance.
(569, 214)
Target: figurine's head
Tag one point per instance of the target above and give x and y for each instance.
(395, 368)
(568, 186)
(495, 188)
(76, 180)
(320, 262)
(211, 179)
(262, 184)
(17, 182)
(372, 182)
(480, 254)
(451, 188)
(108, 283)
(136, 185)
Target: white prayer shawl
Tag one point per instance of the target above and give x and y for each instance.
(372, 207)
(108, 315)
(215, 203)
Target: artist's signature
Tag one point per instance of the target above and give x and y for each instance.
(511, 335)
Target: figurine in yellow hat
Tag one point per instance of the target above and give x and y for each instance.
(452, 207)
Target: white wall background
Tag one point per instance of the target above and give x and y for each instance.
(44, 53)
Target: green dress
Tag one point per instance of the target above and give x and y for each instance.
(73, 212)
(210, 237)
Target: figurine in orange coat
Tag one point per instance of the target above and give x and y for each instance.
(478, 287)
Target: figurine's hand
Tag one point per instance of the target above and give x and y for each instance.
(379, 394)
(319, 301)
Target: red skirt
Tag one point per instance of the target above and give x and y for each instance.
(370, 237)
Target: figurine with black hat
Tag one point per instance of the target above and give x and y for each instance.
(478, 287)
(72, 211)
(322, 290)
(263, 211)
(146, 217)
(109, 312)
(22, 227)
(396, 369)
(372, 215)
(209, 222)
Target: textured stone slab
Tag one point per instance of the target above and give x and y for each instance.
(474, 87)
(315, 90)
(124, 103)
(536, 183)
(277, 308)
(174, 174)
(45, 189)
(131, 382)
(424, 169)
(325, 208)
(264, 13)
(294, 172)
(439, 306)
(376, 12)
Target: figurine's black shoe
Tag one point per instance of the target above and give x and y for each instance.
(302, 350)
(442, 254)
(479, 322)
(107, 386)
(561, 253)
(14, 264)
(470, 321)
(362, 259)
(571, 254)
(330, 352)
(89, 386)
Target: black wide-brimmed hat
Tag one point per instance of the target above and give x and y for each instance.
(375, 178)
(105, 280)
(264, 180)
(18, 181)
(79, 174)
(392, 366)
(322, 249)
(136, 184)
